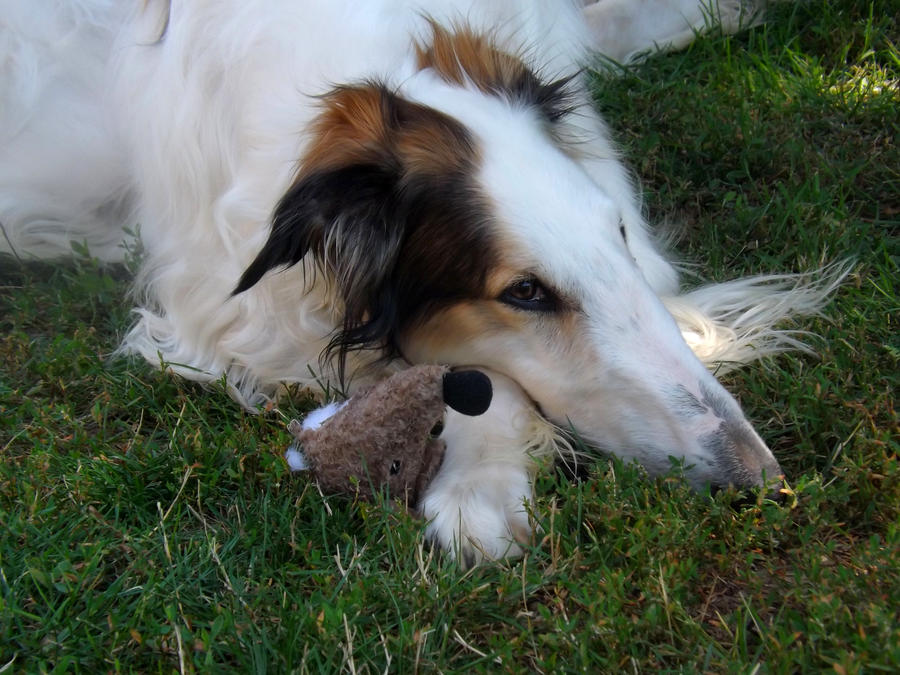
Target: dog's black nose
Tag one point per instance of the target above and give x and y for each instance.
(748, 495)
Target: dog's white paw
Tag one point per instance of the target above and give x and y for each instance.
(481, 515)
(476, 505)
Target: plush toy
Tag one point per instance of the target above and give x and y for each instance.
(386, 435)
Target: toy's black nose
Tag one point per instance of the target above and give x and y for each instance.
(468, 391)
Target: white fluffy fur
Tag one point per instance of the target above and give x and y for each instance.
(62, 178)
(187, 120)
(733, 323)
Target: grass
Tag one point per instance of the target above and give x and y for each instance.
(149, 525)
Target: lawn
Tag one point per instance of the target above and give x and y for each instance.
(151, 525)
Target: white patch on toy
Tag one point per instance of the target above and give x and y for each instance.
(315, 418)
(295, 459)
(294, 456)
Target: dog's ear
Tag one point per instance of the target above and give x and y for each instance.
(342, 206)
(378, 166)
(344, 216)
(351, 222)
(371, 153)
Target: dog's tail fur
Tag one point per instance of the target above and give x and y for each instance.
(736, 322)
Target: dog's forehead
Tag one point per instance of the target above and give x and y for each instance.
(552, 215)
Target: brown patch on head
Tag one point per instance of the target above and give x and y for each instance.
(370, 123)
(464, 57)
(459, 331)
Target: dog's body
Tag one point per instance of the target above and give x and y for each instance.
(442, 192)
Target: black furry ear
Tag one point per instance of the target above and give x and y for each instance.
(338, 215)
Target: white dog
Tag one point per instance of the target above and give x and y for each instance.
(340, 188)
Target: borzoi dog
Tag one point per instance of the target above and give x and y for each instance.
(328, 189)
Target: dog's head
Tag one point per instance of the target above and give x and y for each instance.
(457, 226)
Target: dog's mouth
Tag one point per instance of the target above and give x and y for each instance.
(728, 453)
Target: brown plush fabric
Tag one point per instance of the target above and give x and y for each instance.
(382, 437)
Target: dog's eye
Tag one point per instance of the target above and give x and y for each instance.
(395, 467)
(529, 294)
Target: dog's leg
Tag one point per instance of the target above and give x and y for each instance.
(626, 30)
(476, 505)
